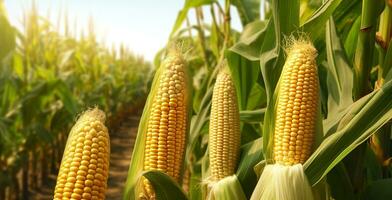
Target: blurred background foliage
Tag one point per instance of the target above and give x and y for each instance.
(47, 78)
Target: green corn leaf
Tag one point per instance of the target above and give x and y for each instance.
(339, 77)
(251, 39)
(315, 24)
(380, 189)
(249, 10)
(251, 154)
(184, 12)
(363, 119)
(351, 40)
(252, 116)
(165, 187)
(245, 75)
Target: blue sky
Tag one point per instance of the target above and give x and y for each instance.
(144, 26)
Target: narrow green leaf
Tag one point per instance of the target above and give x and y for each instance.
(345, 15)
(252, 116)
(249, 10)
(286, 16)
(316, 23)
(251, 154)
(250, 41)
(184, 12)
(351, 39)
(339, 77)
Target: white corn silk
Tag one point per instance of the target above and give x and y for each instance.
(279, 182)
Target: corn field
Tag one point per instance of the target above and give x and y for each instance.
(295, 106)
(47, 78)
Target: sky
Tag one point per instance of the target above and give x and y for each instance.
(143, 26)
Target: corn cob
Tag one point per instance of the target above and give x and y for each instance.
(297, 105)
(167, 122)
(224, 135)
(85, 165)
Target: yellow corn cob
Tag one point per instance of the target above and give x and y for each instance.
(85, 165)
(224, 131)
(297, 105)
(167, 122)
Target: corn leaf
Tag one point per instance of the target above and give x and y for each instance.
(363, 118)
(184, 12)
(350, 43)
(251, 154)
(249, 10)
(250, 40)
(245, 75)
(339, 77)
(380, 189)
(252, 116)
(315, 24)
(165, 187)
(270, 59)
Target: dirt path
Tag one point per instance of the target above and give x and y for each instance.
(121, 144)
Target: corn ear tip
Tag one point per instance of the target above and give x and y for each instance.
(92, 112)
(300, 40)
(224, 68)
(179, 49)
